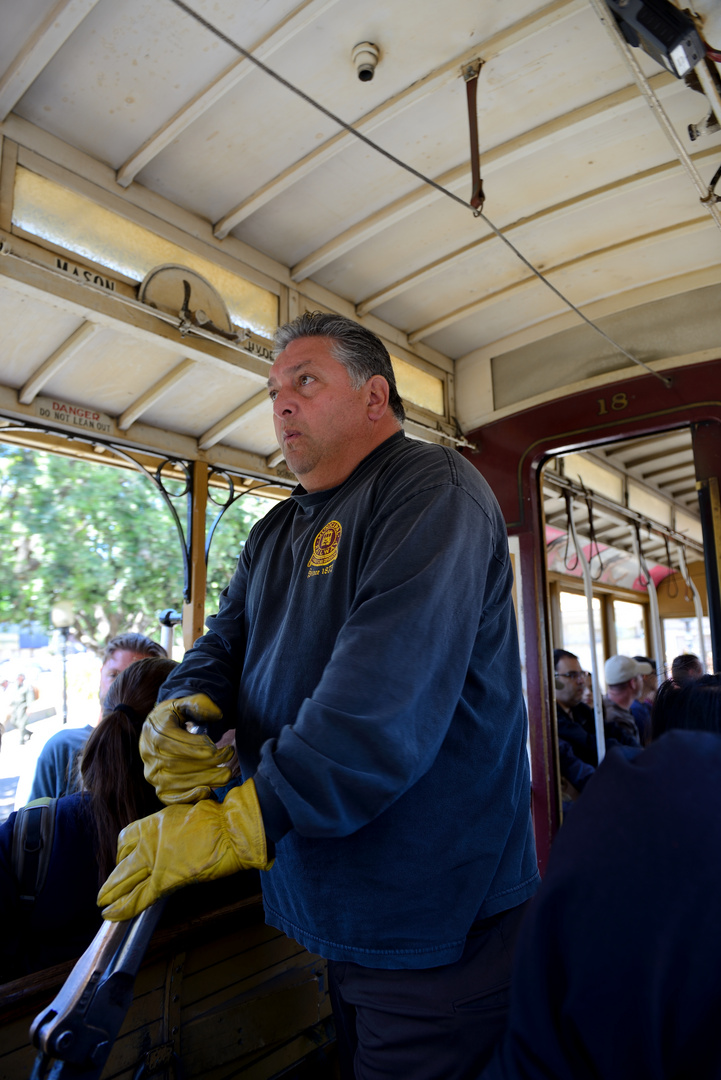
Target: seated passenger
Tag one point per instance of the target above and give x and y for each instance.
(64, 917)
(623, 682)
(694, 706)
(576, 726)
(56, 770)
(685, 668)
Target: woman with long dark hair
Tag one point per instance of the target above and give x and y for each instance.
(63, 917)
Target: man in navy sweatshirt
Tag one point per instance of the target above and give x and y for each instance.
(366, 653)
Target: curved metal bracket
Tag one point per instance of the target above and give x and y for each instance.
(231, 499)
(156, 479)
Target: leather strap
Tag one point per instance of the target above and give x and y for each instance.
(477, 196)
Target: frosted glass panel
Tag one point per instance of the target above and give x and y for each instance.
(419, 386)
(689, 526)
(630, 631)
(602, 481)
(574, 623)
(48, 210)
(643, 502)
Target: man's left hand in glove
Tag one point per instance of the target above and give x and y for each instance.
(181, 845)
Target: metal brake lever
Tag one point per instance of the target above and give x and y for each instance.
(80, 1025)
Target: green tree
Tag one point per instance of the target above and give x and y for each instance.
(102, 538)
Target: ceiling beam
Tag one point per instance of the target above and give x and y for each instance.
(653, 455)
(138, 320)
(686, 474)
(54, 363)
(156, 391)
(233, 419)
(561, 128)
(515, 34)
(273, 460)
(531, 281)
(42, 45)
(669, 461)
(628, 184)
(282, 33)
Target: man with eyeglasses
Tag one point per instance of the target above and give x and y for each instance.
(576, 730)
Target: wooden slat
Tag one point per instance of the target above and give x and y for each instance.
(284, 1010)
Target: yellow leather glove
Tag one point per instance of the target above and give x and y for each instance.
(181, 845)
(183, 768)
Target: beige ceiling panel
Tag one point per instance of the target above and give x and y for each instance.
(256, 434)
(32, 331)
(123, 73)
(111, 372)
(603, 274)
(647, 504)
(204, 397)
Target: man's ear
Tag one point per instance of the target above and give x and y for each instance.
(377, 395)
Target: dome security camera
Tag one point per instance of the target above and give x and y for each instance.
(365, 56)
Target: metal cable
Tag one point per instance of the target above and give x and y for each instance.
(419, 175)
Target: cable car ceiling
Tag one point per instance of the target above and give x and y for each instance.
(149, 112)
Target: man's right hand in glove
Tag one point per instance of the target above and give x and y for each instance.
(183, 768)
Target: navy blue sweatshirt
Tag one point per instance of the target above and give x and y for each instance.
(366, 648)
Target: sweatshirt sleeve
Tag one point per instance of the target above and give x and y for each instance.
(433, 595)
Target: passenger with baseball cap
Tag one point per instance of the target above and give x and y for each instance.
(624, 681)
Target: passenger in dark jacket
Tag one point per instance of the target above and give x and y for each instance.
(598, 994)
(64, 917)
(577, 750)
(576, 732)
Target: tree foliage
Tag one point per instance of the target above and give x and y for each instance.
(102, 538)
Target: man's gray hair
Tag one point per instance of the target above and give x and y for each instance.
(134, 643)
(360, 351)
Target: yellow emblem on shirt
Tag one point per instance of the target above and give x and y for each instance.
(325, 547)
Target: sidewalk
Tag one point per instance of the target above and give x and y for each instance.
(17, 763)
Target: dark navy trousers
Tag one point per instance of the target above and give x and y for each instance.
(430, 1024)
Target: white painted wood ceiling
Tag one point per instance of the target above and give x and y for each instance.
(577, 173)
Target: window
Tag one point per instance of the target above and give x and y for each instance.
(48, 210)
(681, 636)
(630, 628)
(574, 623)
(418, 386)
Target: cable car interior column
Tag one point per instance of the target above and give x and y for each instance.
(706, 438)
(588, 590)
(194, 608)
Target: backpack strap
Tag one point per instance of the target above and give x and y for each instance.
(32, 844)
